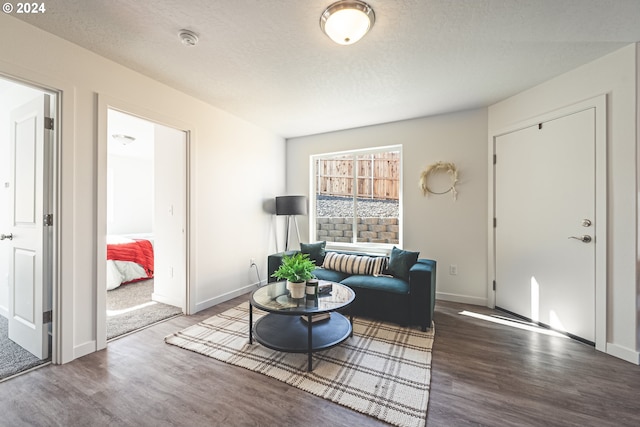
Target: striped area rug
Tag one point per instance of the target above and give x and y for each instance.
(383, 371)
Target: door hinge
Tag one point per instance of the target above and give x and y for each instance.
(48, 123)
(495, 222)
(47, 317)
(48, 220)
(495, 159)
(494, 285)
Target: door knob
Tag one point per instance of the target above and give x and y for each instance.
(6, 236)
(585, 238)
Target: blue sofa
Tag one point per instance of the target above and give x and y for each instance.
(405, 301)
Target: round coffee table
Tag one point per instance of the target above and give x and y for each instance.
(289, 324)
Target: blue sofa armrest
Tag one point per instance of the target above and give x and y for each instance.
(274, 261)
(422, 284)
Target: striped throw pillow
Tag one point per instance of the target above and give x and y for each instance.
(355, 264)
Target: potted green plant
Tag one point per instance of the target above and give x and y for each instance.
(296, 270)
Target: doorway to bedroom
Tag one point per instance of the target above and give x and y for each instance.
(146, 223)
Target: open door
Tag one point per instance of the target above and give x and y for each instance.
(170, 216)
(29, 236)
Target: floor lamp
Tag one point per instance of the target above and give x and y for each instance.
(291, 206)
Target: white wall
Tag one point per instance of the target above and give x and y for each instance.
(615, 75)
(131, 195)
(448, 231)
(130, 187)
(235, 167)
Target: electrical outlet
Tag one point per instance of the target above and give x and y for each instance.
(252, 262)
(453, 270)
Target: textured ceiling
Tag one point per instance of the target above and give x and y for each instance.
(269, 63)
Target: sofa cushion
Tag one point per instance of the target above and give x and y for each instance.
(382, 283)
(354, 264)
(316, 251)
(330, 275)
(400, 262)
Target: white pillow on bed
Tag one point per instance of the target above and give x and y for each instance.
(113, 239)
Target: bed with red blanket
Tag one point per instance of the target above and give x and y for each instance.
(128, 260)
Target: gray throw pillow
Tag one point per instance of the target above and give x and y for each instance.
(400, 262)
(316, 251)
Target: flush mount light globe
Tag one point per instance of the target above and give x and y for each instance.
(123, 139)
(347, 21)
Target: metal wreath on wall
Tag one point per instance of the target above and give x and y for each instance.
(435, 168)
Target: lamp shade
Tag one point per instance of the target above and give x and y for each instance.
(347, 21)
(291, 205)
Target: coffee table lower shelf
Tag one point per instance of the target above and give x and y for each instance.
(289, 333)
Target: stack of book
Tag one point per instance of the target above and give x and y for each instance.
(316, 317)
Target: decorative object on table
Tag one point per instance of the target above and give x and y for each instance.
(291, 206)
(312, 288)
(446, 167)
(396, 359)
(296, 270)
(325, 288)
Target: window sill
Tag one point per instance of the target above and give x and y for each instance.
(368, 248)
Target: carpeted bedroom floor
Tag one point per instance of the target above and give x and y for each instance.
(129, 307)
(13, 358)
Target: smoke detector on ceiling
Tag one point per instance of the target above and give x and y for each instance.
(188, 37)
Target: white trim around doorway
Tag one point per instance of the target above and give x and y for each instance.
(61, 327)
(104, 104)
(599, 103)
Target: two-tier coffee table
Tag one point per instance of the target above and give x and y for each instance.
(283, 327)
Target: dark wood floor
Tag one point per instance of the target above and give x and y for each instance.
(484, 374)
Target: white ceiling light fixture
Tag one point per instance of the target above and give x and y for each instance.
(123, 139)
(188, 37)
(347, 21)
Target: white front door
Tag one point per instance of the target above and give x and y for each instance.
(29, 295)
(545, 213)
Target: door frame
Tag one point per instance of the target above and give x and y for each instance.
(105, 103)
(57, 352)
(599, 103)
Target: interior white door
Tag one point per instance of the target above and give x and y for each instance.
(29, 237)
(545, 207)
(170, 216)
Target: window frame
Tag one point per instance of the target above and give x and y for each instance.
(367, 247)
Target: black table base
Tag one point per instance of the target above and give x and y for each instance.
(289, 333)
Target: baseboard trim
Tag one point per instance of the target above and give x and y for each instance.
(465, 299)
(84, 349)
(225, 297)
(165, 300)
(623, 353)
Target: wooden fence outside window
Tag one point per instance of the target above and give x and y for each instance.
(378, 176)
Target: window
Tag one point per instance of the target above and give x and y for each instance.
(356, 201)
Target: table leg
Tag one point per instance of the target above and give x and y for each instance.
(351, 321)
(250, 323)
(310, 346)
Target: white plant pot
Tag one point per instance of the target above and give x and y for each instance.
(296, 290)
